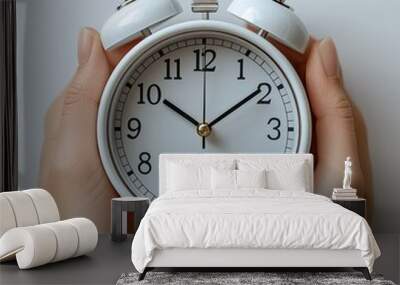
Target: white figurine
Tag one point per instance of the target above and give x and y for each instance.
(347, 173)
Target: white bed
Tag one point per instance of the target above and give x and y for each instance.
(249, 227)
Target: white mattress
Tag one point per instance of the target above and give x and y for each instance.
(252, 219)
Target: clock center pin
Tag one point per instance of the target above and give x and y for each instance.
(204, 130)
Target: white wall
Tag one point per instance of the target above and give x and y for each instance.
(368, 39)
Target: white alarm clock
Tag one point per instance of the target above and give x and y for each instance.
(199, 86)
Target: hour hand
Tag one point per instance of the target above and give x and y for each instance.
(180, 112)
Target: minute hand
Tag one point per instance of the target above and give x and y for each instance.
(237, 106)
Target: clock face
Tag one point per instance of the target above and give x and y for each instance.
(198, 92)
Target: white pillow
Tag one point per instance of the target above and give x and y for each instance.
(294, 178)
(281, 175)
(237, 179)
(182, 177)
(223, 179)
(188, 176)
(251, 178)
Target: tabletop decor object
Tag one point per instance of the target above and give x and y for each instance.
(346, 192)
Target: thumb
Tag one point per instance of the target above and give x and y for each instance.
(93, 70)
(86, 86)
(335, 135)
(80, 100)
(324, 82)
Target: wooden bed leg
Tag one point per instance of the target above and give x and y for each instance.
(365, 272)
(142, 275)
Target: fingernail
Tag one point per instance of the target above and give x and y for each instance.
(85, 45)
(329, 58)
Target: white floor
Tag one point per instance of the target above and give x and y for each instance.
(389, 262)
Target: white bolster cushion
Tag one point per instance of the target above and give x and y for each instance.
(46, 207)
(26, 208)
(23, 208)
(33, 246)
(87, 234)
(41, 244)
(7, 218)
(67, 240)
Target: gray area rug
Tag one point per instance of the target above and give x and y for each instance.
(269, 278)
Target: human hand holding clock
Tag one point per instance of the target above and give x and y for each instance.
(71, 168)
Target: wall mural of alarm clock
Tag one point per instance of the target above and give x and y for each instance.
(199, 86)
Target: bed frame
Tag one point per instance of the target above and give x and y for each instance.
(246, 259)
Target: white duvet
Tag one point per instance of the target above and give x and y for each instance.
(250, 219)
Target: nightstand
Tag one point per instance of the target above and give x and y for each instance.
(119, 209)
(358, 205)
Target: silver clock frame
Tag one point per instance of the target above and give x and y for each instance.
(103, 122)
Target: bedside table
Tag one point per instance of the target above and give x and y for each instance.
(357, 206)
(120, 207)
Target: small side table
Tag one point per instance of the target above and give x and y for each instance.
(357, 206)
(119, 215)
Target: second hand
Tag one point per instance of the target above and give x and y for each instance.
(204, 88)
